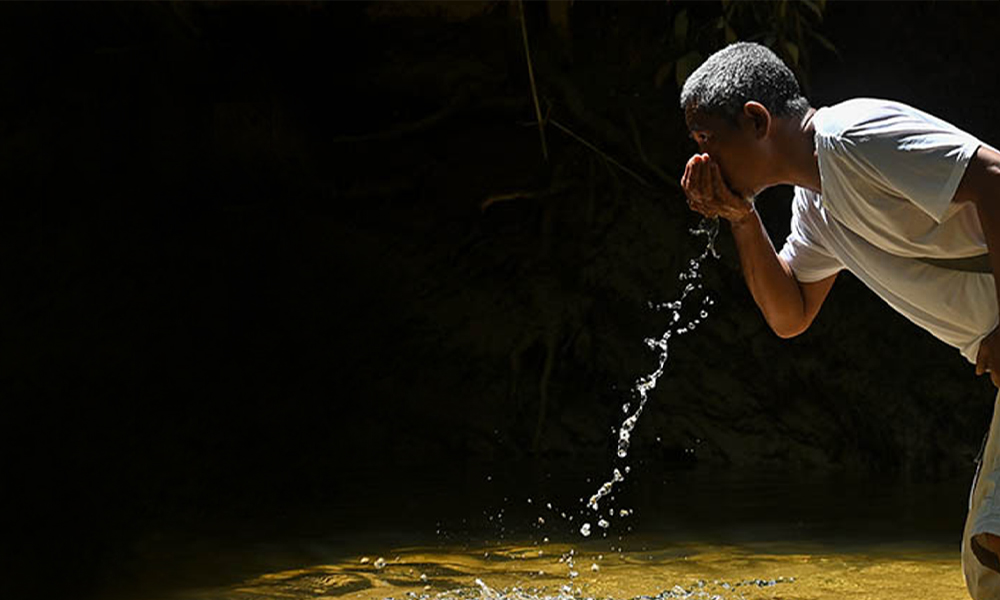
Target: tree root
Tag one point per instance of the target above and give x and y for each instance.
(543, 389)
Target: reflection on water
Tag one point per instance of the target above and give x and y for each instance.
(552, 571)
(692, 534)
(726, 534)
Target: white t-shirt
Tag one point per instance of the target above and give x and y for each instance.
(889, 173)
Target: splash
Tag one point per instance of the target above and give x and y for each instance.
(709, 229)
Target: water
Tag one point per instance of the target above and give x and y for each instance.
(709, 228)
(698, 534)
(518, 572)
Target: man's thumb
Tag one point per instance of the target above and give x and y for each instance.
(981, 357)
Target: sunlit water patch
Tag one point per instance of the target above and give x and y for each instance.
(561, 572)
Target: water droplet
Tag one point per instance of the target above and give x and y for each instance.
(380, 563)
(594, 567)
(585, 529)
(603, 524)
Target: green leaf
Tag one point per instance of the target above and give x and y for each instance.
(793, 52)
(662, 73)
(686, 65)
(824, 42)
(681, 26)
(813, 6)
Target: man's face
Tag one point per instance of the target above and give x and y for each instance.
(734, 147)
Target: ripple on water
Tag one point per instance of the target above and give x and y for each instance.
(521, 572)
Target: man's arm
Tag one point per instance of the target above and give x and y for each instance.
(788, 306)
(980, 185)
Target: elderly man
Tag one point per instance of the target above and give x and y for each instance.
(905, 201)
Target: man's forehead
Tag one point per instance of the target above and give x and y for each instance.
(695, 125)
(701, 121)
(695, 119)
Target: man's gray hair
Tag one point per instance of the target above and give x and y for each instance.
(739, 73)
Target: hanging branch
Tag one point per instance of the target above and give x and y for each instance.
(531, 78)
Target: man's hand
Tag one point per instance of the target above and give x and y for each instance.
(988, 357)
(709, 195)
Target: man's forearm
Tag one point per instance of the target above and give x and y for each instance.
(773, 286)
(988, 210)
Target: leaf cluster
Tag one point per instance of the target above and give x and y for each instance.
(788, 27)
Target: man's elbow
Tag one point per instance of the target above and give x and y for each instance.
(789, 329)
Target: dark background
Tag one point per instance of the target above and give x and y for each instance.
(247, 271)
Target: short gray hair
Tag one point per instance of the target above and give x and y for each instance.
(739, 73)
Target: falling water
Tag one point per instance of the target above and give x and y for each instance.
(709, 228)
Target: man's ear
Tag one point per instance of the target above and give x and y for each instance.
(759, 116)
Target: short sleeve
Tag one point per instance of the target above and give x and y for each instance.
(916, 155)
(803, 251)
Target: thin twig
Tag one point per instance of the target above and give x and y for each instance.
(642, 154)
(493, 199)
(566, 130)
(531, 78)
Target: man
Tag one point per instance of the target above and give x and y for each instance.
(906, 202)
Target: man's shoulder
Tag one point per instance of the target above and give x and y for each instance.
(806, 204)
(859, 116)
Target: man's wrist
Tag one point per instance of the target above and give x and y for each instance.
(746, 219)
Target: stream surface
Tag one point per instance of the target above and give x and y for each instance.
(688, 534)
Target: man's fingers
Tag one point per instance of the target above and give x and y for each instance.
(717, 184)
(704, 177)
(982, 358)
(699, 185)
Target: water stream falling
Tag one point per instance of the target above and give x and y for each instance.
(709, 228)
